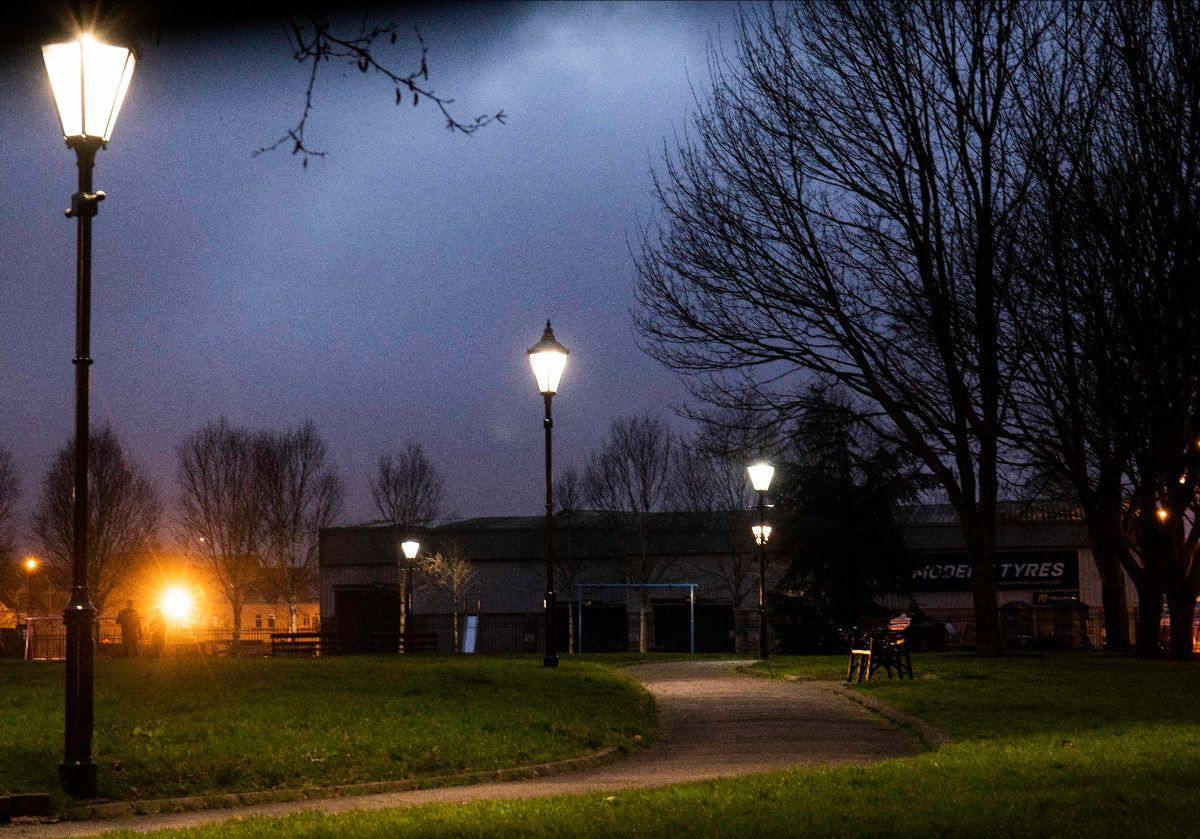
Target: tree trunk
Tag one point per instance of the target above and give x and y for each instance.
(1113, 598)
(236, 637)
(643, 643)
(454, 629)
(570, 626)
(981, 553)
(292, 615)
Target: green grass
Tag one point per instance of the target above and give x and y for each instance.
(631, 659)
(177, 727)
(1065, 745)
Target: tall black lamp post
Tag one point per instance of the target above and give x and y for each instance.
(760, 477)
(548, 358)
(410, 547)
(89, 80)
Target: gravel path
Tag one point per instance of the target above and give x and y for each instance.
(716, 722)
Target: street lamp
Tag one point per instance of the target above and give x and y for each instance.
(548, 358)
(409, 548)
(89, 80)
(760, 477)
(30, 564)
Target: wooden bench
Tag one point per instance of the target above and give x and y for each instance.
(389, 643)
(306, 644)
(870, 652)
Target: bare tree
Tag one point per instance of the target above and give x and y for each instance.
(1109, 377)
(123, 514)
(628, 481)
(407, 490)
(847, 211)
(10, 490)
(448, 570)
(298, 495)
(220, 511)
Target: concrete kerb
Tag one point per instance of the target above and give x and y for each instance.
(121, 809)
(932, 738)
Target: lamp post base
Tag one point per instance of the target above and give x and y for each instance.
(78, 778)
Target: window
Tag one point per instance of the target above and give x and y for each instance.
(270, 621)
(258, 621)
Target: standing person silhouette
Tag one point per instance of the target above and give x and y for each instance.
(131, 629)
(157, 630)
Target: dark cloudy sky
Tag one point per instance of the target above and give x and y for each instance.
(389, 291)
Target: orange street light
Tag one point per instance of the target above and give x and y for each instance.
(30, 564)
(177, 604)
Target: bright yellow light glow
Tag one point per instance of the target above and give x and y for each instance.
(1162, 515)
(548, 358)
(177, 604)
(760, 475)
(89, 80)
(762, 534)
(31, 564)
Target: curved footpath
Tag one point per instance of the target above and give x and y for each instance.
(716, 722)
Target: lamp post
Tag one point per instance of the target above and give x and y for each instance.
(760, 477)
(30, 565)
(409, 547)
(548, 358)
(89, 80)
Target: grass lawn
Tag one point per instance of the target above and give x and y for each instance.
(175, 727)
(1064, 745)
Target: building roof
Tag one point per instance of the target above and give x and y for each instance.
(582, 535)
(591, 535)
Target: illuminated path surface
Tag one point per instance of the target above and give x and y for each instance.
(716, 722)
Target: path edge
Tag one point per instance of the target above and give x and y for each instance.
(218, 801)
(931, 737)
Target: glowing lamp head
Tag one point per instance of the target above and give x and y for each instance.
(762, 533)
(410, 548)
(30, 564)
(760, 475)
(89, 80)
(1162, 514)
(176, 604)
(548, 358)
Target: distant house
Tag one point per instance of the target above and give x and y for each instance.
(1043, 562)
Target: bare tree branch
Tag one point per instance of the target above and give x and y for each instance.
(315, 42)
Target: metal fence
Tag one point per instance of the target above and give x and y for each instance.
(1026, 627)
(46, 640)
(1052, 626)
